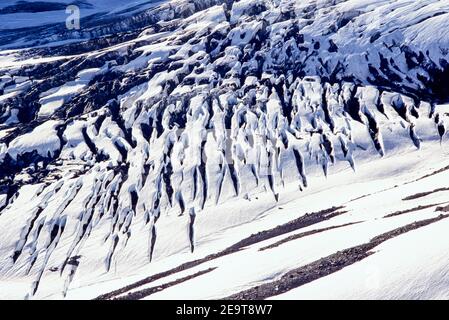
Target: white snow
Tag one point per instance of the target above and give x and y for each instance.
(55, 98)
(118, 179)
(43, 139)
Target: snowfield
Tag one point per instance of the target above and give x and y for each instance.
(270, 149)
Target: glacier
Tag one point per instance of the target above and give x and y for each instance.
(268, 149)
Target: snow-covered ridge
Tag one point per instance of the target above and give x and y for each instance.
(145, 146)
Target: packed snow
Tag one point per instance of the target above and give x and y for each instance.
(248, 139)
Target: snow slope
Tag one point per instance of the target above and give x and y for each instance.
(274, 148)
